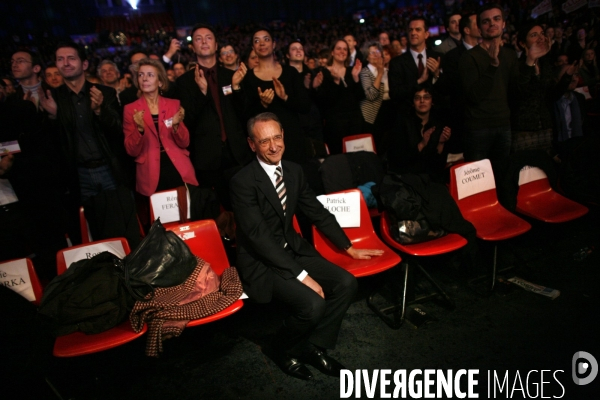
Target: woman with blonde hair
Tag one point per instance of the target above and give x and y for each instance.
(155, 134)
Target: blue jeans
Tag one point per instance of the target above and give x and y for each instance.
(92, 181)
(492, 143)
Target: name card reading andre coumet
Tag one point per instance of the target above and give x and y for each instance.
(344, 206)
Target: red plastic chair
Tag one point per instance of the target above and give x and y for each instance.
(204, 241)
(23, 268)
(363, 237)
(481, 207)
(78, 343)
(364, 142)
(443, 245)
(536, 199)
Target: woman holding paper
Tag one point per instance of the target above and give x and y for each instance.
(155, 134)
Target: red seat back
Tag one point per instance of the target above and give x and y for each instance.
(360, 142)
(204, 241)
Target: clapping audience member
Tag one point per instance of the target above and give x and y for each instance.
(311, 121)
(532, 117)
(218, 146)
(374, 80)
(416, 66)
(155, 133)
(418, 143)
(91, 140)
(588, 70)
(338, 93)
(279, 89)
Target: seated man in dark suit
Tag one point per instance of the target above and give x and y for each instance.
(275, 262)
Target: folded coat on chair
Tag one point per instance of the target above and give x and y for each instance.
(169, 311)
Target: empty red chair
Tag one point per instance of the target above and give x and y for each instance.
(204, 241)
(21, 272)
(473, 188)
(536, 199)
(77, 343)
(445, 244)
(361, 142)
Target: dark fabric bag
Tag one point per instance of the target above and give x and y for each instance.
(162, 259)
(408, 224)
(88, 297)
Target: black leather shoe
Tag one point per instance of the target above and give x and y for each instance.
(289, 365)
(322, 362)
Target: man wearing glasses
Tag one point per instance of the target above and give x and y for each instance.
(229, 57)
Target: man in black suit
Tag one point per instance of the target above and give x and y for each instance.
(90, 137)
(450, 84)
(211, 98)
(416, 66)
(275, 262)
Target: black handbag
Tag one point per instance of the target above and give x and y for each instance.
(162, 259)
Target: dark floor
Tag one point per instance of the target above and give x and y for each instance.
(510, 330)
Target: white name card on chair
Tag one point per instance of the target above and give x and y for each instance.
(362, 144)
(15, 276)
(80, 253)
(530, 174)
(165, 206)
(473, 178)
(344, 206)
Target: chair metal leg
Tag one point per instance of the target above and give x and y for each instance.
(494, 267)
(398, 320)
(398, 308)
(449, 303)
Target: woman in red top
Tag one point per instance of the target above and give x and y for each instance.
(155, 134)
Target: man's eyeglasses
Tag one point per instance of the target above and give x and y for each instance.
(227, 52)
(267, 142)
(19, 61)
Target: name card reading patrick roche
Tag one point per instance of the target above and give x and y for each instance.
(344, 206)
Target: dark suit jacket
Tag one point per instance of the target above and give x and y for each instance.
(203, 121)
(403, 76)
(108, 130)
(262, 230)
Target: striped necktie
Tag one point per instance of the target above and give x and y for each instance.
(280, 187)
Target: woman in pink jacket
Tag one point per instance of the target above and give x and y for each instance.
(155, 134)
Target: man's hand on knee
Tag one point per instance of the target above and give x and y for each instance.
(310, 282)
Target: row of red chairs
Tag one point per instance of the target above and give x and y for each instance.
(492, 222)
(201, 236)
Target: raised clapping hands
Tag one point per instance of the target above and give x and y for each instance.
(266, 97)
(47, 102)
(201, 80)
(279, 89)
(493, 51)
(97, 98)
(445, 136)
(138, 118)
(179, 116)
(356, 70)
(318, 80)
(433, 65)
(427, 135)
(238, 76)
